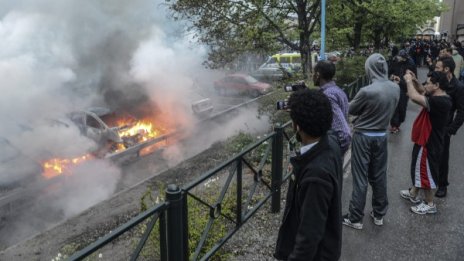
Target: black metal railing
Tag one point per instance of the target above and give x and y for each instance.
(242, 173)
(172, 215)
(352, 88)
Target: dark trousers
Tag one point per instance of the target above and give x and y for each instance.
(400, 112)
(368, 165)
(444, 163)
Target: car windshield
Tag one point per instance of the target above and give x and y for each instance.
(250, 80)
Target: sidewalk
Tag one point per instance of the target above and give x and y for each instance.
(405, 235)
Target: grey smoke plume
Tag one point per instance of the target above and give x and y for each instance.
(59, 56)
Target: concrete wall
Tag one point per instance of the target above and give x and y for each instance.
(450, 19)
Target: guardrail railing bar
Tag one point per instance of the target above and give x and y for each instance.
(216, 247)
(145, 237)
(163, 236)
(227, 163)
(203, 237)
(212, 218)
(250, 166)
(117, 232)
(227, 184)
(239, 194)
(199, 199)
(265, 156)
(277, 160)
(250, 195)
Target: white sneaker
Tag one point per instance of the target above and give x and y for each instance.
(347, 222)
(377, 221)
(407, 195)
(424, 208)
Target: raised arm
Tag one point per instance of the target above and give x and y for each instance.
(415, 90)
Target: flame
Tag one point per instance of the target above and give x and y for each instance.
(132, 132)
(57, 166)
(143, 128)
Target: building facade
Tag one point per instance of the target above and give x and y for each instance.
(452, 21)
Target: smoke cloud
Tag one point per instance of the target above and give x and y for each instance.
(60, 56)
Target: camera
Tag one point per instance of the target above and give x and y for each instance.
(295, 87)
(282, 105)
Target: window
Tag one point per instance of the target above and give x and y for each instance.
(284, 59)
(92, 122)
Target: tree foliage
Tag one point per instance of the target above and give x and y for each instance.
(379, 20)
(233, 27)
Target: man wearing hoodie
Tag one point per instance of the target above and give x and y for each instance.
(374, 106)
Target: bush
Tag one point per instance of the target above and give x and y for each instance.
(349, 69)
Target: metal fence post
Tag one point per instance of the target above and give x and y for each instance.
(277, 163)
(177, 226)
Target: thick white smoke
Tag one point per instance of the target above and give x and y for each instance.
(59, 56)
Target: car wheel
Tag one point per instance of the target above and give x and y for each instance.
(254, 93)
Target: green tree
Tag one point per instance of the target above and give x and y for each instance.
(234, 27)
(380, 20)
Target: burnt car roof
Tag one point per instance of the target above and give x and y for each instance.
(99, 111)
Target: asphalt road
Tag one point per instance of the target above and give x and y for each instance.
(405, 235)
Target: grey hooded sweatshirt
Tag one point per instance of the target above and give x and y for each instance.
(375, 104)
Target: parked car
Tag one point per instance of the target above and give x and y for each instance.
(273, 72)
(241, 84)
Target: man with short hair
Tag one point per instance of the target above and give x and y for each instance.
(324, 71)
(311, 228)
(374, 106)
(456, 119)
(396, 72)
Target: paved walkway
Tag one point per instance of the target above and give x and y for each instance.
(405, 235)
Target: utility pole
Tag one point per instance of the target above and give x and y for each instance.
(322, 51)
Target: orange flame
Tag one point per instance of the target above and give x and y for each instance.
(56, 166)
(132, 131)
(142, 128)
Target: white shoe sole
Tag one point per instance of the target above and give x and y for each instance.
(415, 201)
(349, 224)
(376, 221)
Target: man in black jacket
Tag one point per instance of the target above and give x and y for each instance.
(455, 120)
(311, 226)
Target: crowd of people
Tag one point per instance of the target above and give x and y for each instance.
(312, 224)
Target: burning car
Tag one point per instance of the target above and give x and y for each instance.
(91, 124)
(119, 136)
(113, 131)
